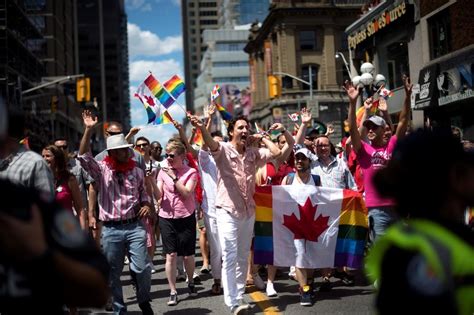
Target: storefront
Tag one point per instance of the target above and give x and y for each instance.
(447, 91)
(382, 37)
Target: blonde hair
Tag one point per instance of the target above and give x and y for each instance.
(176, 145)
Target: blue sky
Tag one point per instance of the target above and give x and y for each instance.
(154, 44)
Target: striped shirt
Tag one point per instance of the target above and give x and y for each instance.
(120, 195)
(335, 175)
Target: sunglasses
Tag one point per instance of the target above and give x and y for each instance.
(64, 147)
(170, 156)
(142, 145)
(112, 133)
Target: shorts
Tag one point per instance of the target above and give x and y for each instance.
(178, 235)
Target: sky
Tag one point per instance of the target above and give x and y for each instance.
(154, 44)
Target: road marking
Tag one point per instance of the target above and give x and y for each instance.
(263, 302)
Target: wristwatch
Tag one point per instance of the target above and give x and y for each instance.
(175, 179)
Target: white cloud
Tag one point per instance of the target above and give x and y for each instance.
(176, 2)
(146, 8)
(162, 70)
(146, 43)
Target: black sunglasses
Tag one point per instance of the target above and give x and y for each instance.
(111, 133)
(142, 145)
(169, 155)
(64, 147)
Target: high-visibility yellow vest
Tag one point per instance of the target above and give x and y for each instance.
(448, 256)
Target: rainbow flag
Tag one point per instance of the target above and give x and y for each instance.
(175, 86)
(224, 114)
(158, 91)
(198, 138)
(165, 118)
(151, 104)
(361, 110)
(328, 225)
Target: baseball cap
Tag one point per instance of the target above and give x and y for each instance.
(375, 119)
(305, 152)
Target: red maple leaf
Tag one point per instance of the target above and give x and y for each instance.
(306, 228)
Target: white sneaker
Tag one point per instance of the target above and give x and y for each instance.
(153, 270)
(271, 290)
(292, 273)
(258, 282)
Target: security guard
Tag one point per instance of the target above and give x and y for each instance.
(46, 260)
(426, 263)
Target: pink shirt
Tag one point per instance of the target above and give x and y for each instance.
(173, 205)
(371, 159)
(236, 178)
(120, 195)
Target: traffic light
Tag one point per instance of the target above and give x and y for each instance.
(83, 90)
(54, 104)
(274, 86)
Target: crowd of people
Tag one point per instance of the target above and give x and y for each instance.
(131, 194)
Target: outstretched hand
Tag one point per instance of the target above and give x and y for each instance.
(407, 84)
(195, 121)
(305, 115)
(89, 119)
(352, 91)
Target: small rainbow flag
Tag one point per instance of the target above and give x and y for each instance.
(385, 93)
(329, 225)
(215, 92)
(224, 114)
(175, 86)
(198, 138)
(165, 118)
(360, 112)
(158, 91)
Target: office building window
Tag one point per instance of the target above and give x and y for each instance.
(305, 76)
(440, 34)
(307, 40)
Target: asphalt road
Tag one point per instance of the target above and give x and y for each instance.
(339, 300)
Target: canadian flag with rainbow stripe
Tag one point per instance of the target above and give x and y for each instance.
(328, 225)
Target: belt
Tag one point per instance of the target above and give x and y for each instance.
(120, 222)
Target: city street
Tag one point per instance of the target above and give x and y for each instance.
(340, 300)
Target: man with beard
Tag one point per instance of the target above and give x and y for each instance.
(236, 163)
(375, 155)
(122, 203)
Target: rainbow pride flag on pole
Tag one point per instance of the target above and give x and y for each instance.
(151, 104)
(165, 118)
(158, 91)
(224, 114)
(175, 86)
(328, 225)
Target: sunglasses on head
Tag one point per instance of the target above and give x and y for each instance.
(170, 155)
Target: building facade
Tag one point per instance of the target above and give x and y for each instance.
(298, 42)
(197, 16)
(433, 43)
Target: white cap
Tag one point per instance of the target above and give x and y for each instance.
(305, 152)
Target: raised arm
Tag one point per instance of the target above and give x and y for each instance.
(210, 111)
(353, 94)
(182, 136)
(290, 142)
(196, 122)
(305, 120)
(383, 107)
(133, 131)
(404, 118)
(90, 122)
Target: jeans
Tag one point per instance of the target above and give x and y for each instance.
(115, 241)
(235, 236)
(380, 218)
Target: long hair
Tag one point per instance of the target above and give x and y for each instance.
(59, 161)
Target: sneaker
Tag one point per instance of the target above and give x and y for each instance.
(205, 270)
(258, 282)
(146, 308)
(153, 270)
(305, 296)
(271, 290)
(346, 278)
(192, 290)
(238, 310)
(292, 273)
(173, 300)
(244, 304)
(196, 278)
(180, 276)
(326, 285)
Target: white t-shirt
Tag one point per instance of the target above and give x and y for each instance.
(208, 171)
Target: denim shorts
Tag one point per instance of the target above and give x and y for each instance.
(380, 218)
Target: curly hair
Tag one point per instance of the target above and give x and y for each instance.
(60, 162)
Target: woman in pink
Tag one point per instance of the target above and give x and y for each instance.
(177, 220)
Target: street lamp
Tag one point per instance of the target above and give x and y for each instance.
(56, 80)
(340, 54)
(368, 78)
(310, 83)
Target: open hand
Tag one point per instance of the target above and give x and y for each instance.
(89, 119)
(352, 91)
(305, 116)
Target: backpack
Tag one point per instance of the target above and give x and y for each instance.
(291, 177)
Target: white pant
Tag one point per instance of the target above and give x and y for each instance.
(215, 247)
(235, 236)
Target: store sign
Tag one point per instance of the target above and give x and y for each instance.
(427, 85)
(381, 21)
(456, 84)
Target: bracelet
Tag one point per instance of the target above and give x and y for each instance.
(175, 179)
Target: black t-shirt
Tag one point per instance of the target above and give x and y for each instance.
(34, 287)
(408, 286)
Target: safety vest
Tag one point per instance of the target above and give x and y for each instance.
(448, 256)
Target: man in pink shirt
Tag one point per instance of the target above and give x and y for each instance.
(236, 163)
(375, 155)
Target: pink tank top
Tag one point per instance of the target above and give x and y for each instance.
(63, 195)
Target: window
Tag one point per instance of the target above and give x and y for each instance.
(230, 64)
(307, 40)
(440, 34)
(314, 75)
(208, 22)
(397, 62)
(208, 13)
